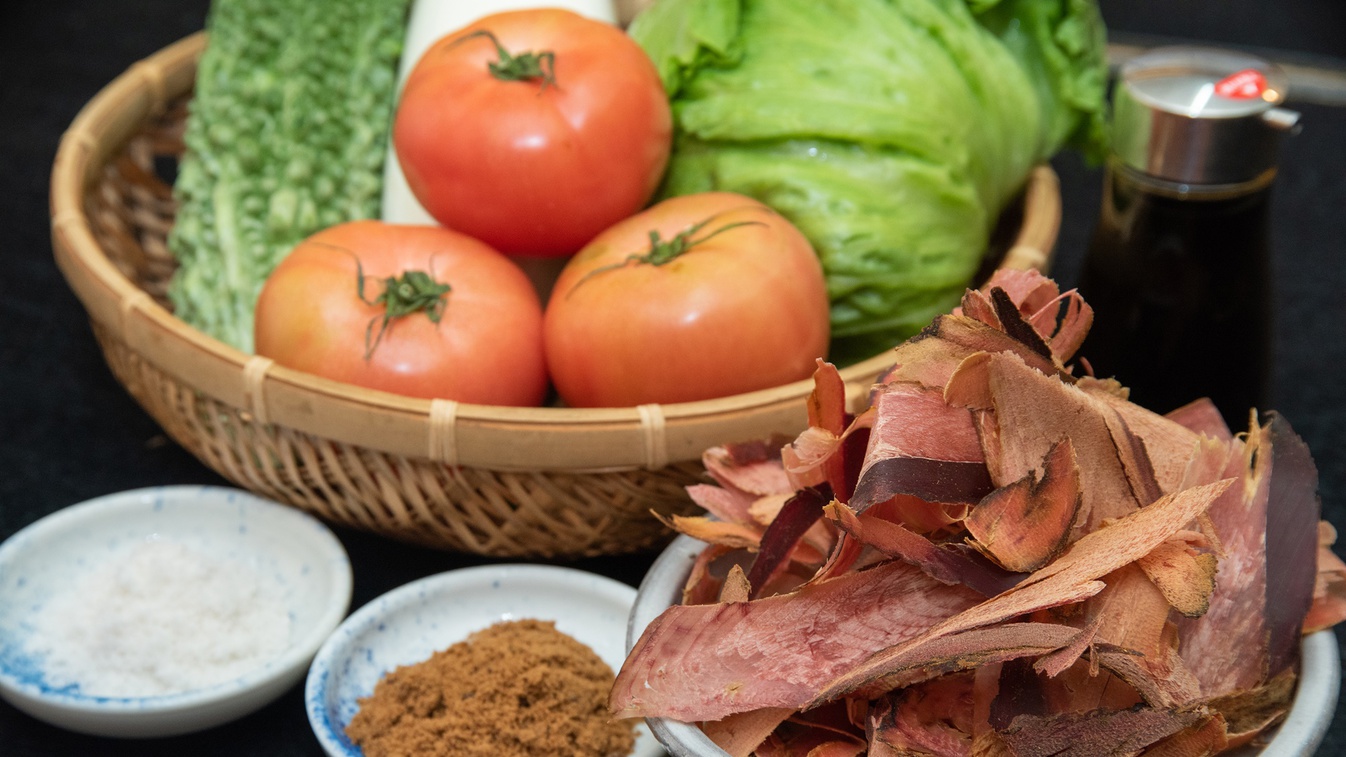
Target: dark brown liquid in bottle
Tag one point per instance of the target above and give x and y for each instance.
(1180, 284)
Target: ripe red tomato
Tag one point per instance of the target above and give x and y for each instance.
(486, 347)
(731, 299)
(540, 164)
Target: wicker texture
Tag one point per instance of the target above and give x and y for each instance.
(508, 482)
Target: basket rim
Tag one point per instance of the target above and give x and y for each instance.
(490, 436)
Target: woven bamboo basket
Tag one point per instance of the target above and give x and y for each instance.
(529, 482)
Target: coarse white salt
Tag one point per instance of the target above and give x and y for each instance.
(160, 618)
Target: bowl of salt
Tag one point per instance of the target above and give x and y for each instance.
(164, 611)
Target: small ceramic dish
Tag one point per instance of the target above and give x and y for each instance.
(298, 560)
(1298, 735)
(411, 622)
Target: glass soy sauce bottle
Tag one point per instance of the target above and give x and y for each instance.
(1178, 271)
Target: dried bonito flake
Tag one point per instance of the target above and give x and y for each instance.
(997, 557)
(1025, 524)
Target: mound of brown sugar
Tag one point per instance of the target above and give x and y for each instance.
(519, 688)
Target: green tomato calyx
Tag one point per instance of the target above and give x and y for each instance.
(663, 251)
(412, 292)
(525, 66)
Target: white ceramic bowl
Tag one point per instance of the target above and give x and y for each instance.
(411, 622)
(308, 564)
(1298, 736)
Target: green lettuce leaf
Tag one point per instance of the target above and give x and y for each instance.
(891, 132)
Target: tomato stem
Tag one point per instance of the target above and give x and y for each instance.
(663, 251)
(412, 292)
(525, 66)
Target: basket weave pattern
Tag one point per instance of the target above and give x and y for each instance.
(499, 513)
(507, 482)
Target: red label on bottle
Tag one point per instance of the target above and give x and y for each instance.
(1243, 85)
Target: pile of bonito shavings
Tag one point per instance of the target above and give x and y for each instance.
(997, 557)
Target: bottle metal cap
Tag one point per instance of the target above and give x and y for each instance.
(1196, 115)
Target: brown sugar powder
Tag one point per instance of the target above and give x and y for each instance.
(519, 688)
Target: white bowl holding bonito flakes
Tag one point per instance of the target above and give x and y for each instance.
(1299, 734)
(1000, 552)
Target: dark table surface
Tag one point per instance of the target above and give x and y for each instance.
(69, 432)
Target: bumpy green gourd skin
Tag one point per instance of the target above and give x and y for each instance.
(287, 134)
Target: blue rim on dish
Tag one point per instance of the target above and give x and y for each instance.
(409, 623)
(305, 554)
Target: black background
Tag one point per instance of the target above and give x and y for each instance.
(69, 432)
